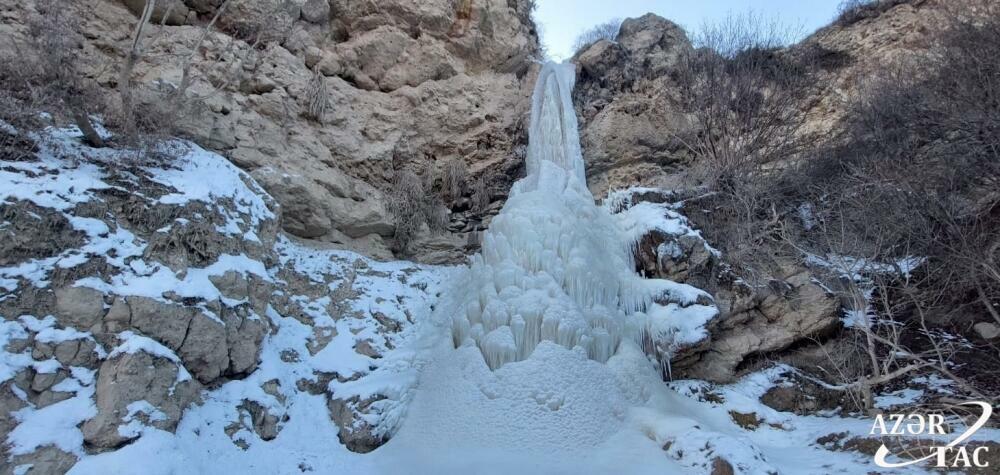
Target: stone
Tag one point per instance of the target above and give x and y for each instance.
(316, 11)
(205, 352)
(272, 19)
(66, 351)
(9, 403)
(364, 347)
(164, 322)
(118, 317)
(43, 381)
(986, 330)
(44, 460)
(79, 307)
(136, 377)
(48, 397)
(263, 422)
(244, 335)
(721, 466)
(355, 432)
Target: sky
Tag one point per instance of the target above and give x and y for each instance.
(562, 20)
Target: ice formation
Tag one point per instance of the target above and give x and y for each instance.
(554, 266)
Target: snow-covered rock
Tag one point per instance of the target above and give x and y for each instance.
(752, 320)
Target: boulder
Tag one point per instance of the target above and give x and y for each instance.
(355, 433)
(43, 461)
(165, 322)
(752, 321)
(316, 11)
(986, 330)
(205, 351)
(79, 307)
(129, 378)
(245, 333)
(759, 322)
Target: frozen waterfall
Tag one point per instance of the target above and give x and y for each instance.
(550, 327)
(554, 266)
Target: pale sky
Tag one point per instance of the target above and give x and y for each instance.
(562, 20)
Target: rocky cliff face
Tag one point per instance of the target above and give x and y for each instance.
(120, 311)
(321, 101)
(627, 104)
(632, 118)
(627, 95)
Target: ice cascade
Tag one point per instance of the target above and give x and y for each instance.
(554, 266)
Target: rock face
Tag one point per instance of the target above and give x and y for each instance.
(752, 321)
(142, 301)
(129, 379)
(150, 300)
(323, 100)
(627, 103)
(627, 93)
(627, 98)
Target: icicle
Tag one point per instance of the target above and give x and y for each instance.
(498, 347)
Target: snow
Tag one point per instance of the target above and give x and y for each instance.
(56, 424)
(133, 426)
(307, 440)
(6, 127)
(859, 268)
(60, 183)
(131, 343)
(141, 280)
(12, 363)
(188, 177)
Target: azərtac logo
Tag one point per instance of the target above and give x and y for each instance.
(951, 455)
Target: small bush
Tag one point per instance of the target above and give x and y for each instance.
(413, 204)
(604, 31)
(482, 195)
(52, 65)
(317, 97)
(454, 180)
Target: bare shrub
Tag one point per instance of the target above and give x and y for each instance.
(132, 57)
(743, 92)
(317, 97)
(915, 178)
(181, 92)
(482, 195)
(454, 180)
(604, 31)
(413, 204)
(54, 39)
